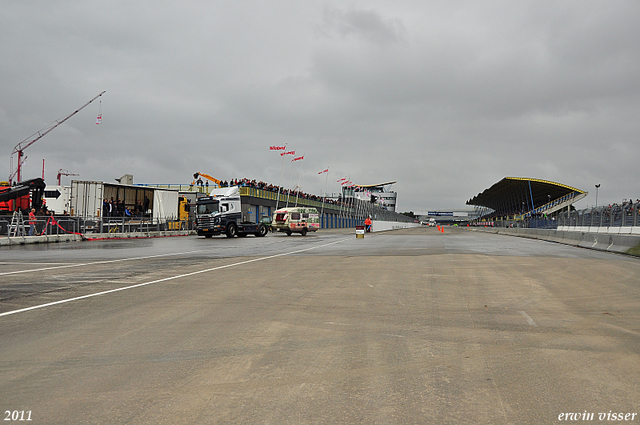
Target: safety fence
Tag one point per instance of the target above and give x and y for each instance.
(60, 225)
(624, 215)
(133, 225)
(40, 226)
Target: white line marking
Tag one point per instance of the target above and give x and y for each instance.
(529, 319)
(165, 279)
(98, 262)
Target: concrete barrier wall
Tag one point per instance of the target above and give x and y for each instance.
(618, 230)
(621, 243)
(6, 241)
(381, 226)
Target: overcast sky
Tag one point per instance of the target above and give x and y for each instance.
(446, 97)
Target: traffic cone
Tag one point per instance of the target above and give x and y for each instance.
(442, 229)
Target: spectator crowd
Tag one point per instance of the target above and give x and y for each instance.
(117, 208)
(274, 188)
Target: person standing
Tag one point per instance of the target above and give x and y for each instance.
(32, 222)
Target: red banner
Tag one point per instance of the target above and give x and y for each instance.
(298, 158)
(277, 148)
(324, 171)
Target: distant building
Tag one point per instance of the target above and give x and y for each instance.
(450, 215)
(380, 194)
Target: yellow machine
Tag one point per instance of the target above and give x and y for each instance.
(183, 215)
(183, 209)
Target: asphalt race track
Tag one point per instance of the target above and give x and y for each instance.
(406, 327)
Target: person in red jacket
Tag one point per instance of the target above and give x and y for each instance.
(367, 224)
(32, 222)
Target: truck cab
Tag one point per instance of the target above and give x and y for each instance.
(221, 212)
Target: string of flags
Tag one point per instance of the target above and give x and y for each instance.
(343, 181)
(99, 118)
(283, 151)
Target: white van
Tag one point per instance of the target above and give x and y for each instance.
(430, 223)
(296, 220)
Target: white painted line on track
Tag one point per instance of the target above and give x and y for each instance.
(22, 310)
(66, 266)
(529, 319)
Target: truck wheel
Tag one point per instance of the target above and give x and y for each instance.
(262, 231)
(232, 230)
(304, 231)
(288, 232)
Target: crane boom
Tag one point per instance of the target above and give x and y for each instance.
(208, 177)
(197, 175)
(20, 147)
(62, 172)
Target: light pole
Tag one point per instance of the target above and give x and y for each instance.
(597, 187)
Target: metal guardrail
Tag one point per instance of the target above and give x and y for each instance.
(134, 224)
(61, 225)
(42, 225)
(625, 215)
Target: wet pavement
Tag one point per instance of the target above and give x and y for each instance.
(409, 326)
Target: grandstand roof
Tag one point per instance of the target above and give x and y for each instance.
(510, 193)
(375, 185)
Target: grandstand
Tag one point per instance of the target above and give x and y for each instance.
(514, 199)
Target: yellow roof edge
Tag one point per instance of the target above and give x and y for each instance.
(375, 185)
(547, 182)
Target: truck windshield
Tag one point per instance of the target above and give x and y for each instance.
(210, 207)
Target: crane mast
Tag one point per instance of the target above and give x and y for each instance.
(20, 147)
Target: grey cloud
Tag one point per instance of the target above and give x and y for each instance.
(361, 24)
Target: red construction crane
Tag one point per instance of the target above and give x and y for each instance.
(20, 147)
(62, 172)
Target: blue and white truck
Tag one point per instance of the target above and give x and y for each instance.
(221, 212)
